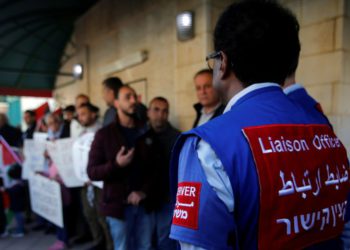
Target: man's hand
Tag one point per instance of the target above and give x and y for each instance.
(136, 197)
(124, 157)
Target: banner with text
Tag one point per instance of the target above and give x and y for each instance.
(304, 182)
(80, 154)
(34, 159)
(46, 199)
(60, 152)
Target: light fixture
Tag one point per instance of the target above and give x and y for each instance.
(185, 25)
(78, 71)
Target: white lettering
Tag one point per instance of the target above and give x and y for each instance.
(282, 145)
(179, 213)
(265, 151)
(186, 191)
(325, 142)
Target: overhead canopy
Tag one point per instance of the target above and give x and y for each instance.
(33, 35)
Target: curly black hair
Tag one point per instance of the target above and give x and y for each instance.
(260, 39)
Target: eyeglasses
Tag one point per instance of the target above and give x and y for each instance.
(211, 59)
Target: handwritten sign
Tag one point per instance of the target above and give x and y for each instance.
(45, 198)
(80, 154)
(34, 159)
(38, 136)
(60, 152)
(304, 182)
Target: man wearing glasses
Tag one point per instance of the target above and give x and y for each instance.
(262, 175)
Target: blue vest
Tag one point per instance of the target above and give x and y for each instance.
(224, 134)
(309, 105)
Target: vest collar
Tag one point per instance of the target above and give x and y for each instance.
(246, 91)
(292, 88)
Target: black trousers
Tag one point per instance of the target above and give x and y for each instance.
(3, 222)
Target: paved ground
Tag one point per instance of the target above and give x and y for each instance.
(33, 241)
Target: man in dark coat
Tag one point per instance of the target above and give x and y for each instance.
(209, 105)
(110, 158)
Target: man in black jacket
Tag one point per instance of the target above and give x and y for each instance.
(209, 105)
(153, 156)
(12, 135)
(29, 119)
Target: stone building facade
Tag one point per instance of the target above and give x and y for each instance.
(113, 33)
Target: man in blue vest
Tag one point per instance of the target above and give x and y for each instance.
(263, 175)
(297, 93)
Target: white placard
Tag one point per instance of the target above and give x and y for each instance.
(34, 159)
(38, 136)
(46, 199)
(80, 154)
(60, 152)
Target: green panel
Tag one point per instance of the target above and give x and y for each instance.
(33, 38)
(14, 110)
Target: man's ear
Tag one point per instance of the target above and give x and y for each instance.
(116, 103)
(224, 66)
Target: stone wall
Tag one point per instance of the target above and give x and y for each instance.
(324, 67)
(112, 30)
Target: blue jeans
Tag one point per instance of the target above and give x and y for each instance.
(139, 226)
(117, 229)
(62, 234)
(162, 221)
(19, 222)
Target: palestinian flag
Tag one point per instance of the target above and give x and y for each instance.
(42, 110)
(7, 155)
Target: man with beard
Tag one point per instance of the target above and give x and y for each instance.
(90, 195)
(110, 88)
(110, 157)
(74, 125)
(153, 151)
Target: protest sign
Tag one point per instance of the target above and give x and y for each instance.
(80, 154)
(34, 159)
(46, 199)
(60, 152)
(38, 136)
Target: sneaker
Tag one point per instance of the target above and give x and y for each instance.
(17, 235)
(58, 245)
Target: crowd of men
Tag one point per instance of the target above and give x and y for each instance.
(130, 154)
(242, 178)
